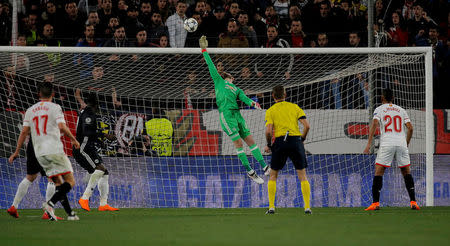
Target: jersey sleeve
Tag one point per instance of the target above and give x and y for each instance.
(212, 69)
(377, 114)
(300, 113)
(59, 115)
(27, 118)
(405, 117)
(244, 98)
(268, 118)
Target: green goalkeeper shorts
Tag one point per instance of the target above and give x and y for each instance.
(233, 124)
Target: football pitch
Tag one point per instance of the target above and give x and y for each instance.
(289, 226)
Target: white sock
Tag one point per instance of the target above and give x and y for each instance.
(92, 183)
(50, 191)
(22, 190)
(103, 187)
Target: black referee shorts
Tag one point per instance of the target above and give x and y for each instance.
(87, 158)
(33, 166)
(293, 148)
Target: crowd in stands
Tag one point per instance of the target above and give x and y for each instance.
(231, 23)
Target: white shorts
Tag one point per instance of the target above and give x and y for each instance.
(387, 153)
(55, 164)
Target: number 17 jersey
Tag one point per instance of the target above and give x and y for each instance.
(43, 118)
(392, 119)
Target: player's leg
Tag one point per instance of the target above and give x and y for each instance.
(297, 155)
(103, 188)
(256, 152)
(22, 190)
(277, 162)
(384, 159)
(87, 163)
(404, 162)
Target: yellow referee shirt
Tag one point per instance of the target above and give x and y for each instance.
(284, 117)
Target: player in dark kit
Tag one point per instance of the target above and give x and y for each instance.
(88, 158)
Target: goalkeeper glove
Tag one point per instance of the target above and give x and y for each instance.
(257, 106)
(203, 42)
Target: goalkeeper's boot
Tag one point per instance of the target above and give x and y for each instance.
(266, 170)
(252, 174)
(13, 212)
(373, 206)
(414, 205)
(107, 208)
(46, 217)
(84, 203)
(270, 211)
(308, 211)
(49, 210)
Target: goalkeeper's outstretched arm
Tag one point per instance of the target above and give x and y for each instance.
(212, 69)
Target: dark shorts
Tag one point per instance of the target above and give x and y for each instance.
(33, 166)
(87, 158)
(293, 148)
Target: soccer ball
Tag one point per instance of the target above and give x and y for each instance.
(190, 25)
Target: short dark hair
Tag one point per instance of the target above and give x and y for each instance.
(278, 92)
(388, 94)
(92, 100)
(46, 89)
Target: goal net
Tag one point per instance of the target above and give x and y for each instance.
(170, 150)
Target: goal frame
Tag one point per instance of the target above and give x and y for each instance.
(283, 51)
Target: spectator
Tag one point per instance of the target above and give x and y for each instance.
(85, 62)
(279, 66)
(218, 24)
(233, 38)
(397, 33)
(31, 29)
(248, 31)
(417, 25)
(113, 23)
(145, 14)
(141, 38)
(354, 40)
(5, 24)
(122, 10)
(94, 20)
(408, 10)
(71, 27)
(47, 36)
(156, 28)
(297, 36)
(282, 8)
(175, 25)
(162, 7)
(51, 14)
(105, 12)
(119, 39)
(321, 42)
(132, 24)
(294, 14)
(233, 11)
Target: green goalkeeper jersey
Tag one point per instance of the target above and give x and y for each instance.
(226, 92)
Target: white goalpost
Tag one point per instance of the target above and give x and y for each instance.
(170, 150)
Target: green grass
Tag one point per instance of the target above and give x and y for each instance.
(289, 226)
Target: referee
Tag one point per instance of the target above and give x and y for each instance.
(282, 122)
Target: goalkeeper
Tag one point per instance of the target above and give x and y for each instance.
(231, 120)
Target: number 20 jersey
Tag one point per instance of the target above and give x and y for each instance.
(392, 119)
(43, 118)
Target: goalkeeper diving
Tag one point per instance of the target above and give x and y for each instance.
(231, 120)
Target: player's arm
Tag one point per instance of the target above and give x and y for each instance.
(372, 129)
(23, 135)
(245, 99)
(409, 132)
(269, 136)
(212, 69)
(306, 127)
(64, 129)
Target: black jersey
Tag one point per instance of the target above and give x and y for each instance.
(87, 130)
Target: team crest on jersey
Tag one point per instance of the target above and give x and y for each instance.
(88, 120)
(96, 161)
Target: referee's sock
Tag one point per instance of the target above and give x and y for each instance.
(256, 152)
(243, 157)
(93, 180)
(272, 189)
(306, 192)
